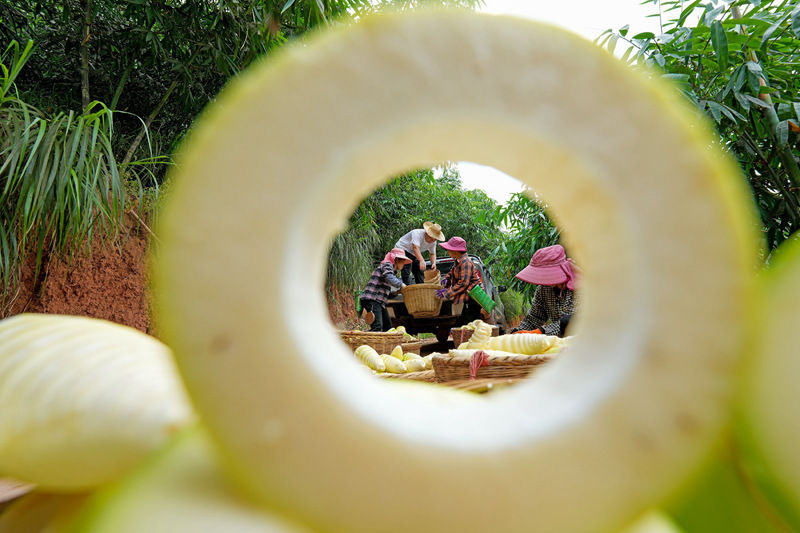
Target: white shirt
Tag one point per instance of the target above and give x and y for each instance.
(416, 236)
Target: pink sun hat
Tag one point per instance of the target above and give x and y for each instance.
(455, 244)
(394, 254)
(549, 266)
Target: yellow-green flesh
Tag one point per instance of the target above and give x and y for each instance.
(83, 400)
(656, 217)
(770, 400)
(180, 490)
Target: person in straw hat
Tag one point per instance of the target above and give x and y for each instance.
(554, 298)
(413, 244)
(458, 282)
(375, 294)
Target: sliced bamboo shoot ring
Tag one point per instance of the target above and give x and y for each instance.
(657, 217)
(770, 428)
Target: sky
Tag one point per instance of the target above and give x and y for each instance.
(588, 18)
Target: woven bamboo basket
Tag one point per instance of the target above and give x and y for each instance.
(482, 386)
(421, 300)
(428, 376)
(462, 335)
(413, 347)
(511, 367)
(382, 342)
(433, 277)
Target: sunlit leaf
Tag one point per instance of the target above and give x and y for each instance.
(796, 22)
(782, 132)
(720, 43)
(768, 34)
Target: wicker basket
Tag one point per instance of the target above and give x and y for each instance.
(413, 347)
(433, 277)
(428, 376)
(382, 342)
(482, 386)
(421, 300)
(449, 368)
(462, 335)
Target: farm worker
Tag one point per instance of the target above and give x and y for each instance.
(461, 278)
(413, 244)
(554, 298)
(374, 295)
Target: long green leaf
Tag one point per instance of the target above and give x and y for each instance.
(782, 133)
(719, 40)
(61, 184)
(768, 34)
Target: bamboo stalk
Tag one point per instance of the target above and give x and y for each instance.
(85, 98)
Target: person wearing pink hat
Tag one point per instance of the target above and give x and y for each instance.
(375, 294)
(554, 298)
(461, 278)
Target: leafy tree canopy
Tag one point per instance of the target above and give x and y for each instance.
(403, 204)
(738, 63)
(161, 61)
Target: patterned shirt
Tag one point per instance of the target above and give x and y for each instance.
(379, 283)
(549, 305)
(461, 278)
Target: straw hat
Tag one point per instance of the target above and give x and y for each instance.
(434, 230)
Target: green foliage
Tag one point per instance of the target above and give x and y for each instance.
(151, 66)
(406, 202)
(351, 255)
(60, 182)
(160, 60)
(738, 64)
(514, 304)
(528, 228)
(401, 205)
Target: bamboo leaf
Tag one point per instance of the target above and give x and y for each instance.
(796, 22)
(612, 43)
(732, 114)
(287, 5)
(753, 81)
(757, 101)
(679, 78)
(715, 109)
(720, 43)
(744, 102)
(711, 14)
(686, 11)
(782, 133)
(768, 34)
